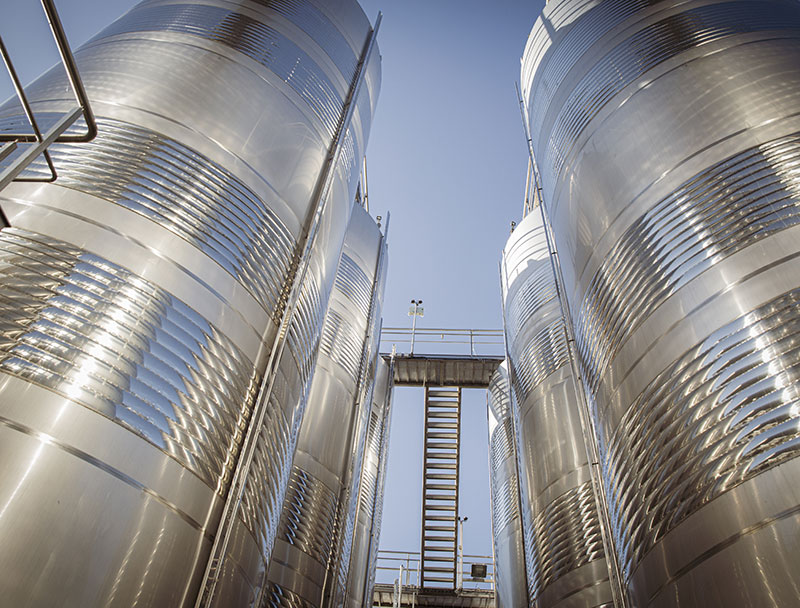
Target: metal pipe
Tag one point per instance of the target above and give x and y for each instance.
(76, 84)
(31, 152)
(72, 74)
(20, 165)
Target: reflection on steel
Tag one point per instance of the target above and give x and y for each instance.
(315, 530)
(366, 535)
(55, 132)
(562, 531)
(299, 330)
(361, 440)
(666, 135)
(162, 302)
(509, 553)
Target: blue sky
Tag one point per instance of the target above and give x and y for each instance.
(446, 157)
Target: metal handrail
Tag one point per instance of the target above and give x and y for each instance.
(408, 562)
(41, 140)
(456, 336)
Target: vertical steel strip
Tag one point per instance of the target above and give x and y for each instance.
(329, 585)
(297, 274)
(587, 424)
(367, 593)
(514, 426)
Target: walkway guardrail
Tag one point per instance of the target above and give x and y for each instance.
(403, 569)
(476, 342)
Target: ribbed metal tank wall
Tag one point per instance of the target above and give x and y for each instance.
(667, 135)
(509, 551)
(141, 293)
(313, 529)
(367, 529)
(563, 541)
(359, 447)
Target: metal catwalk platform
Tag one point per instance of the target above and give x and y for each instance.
(465, 371)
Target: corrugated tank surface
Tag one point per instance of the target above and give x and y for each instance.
(315, 530)
(509, 552)
(142, 294)
(667, 136)
(367, 528)
(563, 540)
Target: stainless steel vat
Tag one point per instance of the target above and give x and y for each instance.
(315, 530)
(367, 529)
(511, 588)
(141, 293)
(667, 137)
(564, 553)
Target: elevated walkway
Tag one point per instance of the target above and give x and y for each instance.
(464, 371)
(440, 358)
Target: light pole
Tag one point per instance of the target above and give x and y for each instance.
(460, 572)
(415, 310)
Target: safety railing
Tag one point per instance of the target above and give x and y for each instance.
(475, 342)
(21, 149)
(402, 568)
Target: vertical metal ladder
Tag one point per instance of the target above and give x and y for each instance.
(440, 487)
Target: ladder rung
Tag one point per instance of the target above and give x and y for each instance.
(440, 456)
(449, 497)
(439, 486)
(437, 569)
(441, 465)
(440, 476)
(440, 528)
(440, 435)
(440, 507)
(443, 392)
(450, 557)
(441, 445)
(445, 424)
(436, 579)
(440, 539)
(439, 558)
(439, 518)
(448, 415)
